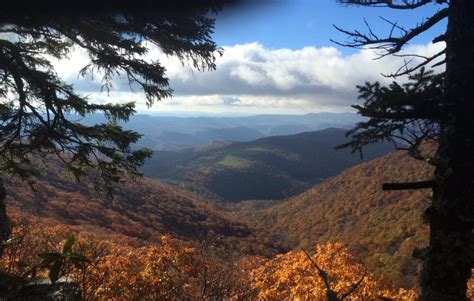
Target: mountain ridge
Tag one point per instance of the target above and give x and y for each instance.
(168, 132)
(273, 167)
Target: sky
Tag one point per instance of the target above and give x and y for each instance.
(277, 59)
(295, 24)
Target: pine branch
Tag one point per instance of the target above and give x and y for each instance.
(37, 104)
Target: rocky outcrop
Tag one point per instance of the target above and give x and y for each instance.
(61, 290)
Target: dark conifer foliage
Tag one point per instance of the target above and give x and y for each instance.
(40, 113)
(430, 107)
(407, 114)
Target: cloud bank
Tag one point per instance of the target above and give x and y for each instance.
(253, 79)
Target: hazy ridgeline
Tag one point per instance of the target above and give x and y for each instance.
(168, 133)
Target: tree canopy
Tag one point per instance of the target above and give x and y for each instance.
(39, 110)
(41, 113)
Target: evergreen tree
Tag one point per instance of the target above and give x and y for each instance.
(40, 112)
(436, 107)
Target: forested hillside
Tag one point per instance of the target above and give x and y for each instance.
(144, 209)
(350, 225)
(381, 227)
(155, 241)
(269, 168)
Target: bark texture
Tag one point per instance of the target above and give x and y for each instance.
(4, 223)
(448, 261)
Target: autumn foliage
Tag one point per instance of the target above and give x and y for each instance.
(173, 269)
(210, 255)
(292, 276)
(117, 270)
(144, 209)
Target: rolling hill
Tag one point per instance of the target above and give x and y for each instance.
(380, 226)
(142, 210)
(268, 168)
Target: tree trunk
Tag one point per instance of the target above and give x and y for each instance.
(4, 224)
(448, 261)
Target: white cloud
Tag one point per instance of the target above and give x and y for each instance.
(247, 74)
(254, 79)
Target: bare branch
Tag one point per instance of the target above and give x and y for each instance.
(390, 44)
(324, 276)
(388, 3)
(353, 287)
(408, 185)
(440, 38)
(407, 70)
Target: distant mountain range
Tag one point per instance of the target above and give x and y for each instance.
(268, 168)
(383, 227)
(169, 133)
